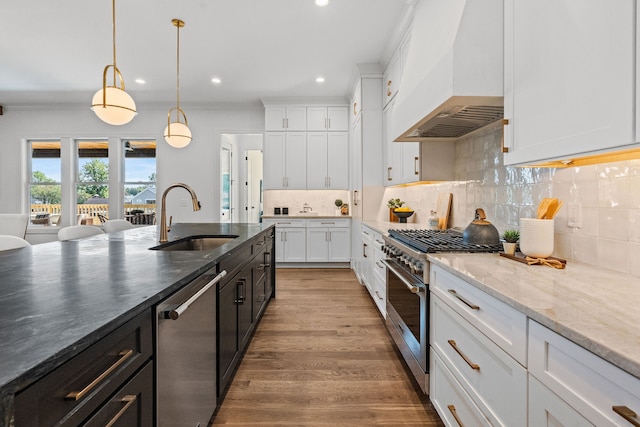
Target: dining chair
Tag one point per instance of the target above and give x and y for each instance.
(78, 232)
(12, 242)
(14, 224)
(116, 225)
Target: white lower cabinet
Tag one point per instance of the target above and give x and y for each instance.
(373, 271)
(328, 240)
(494, 381)
(546, 409)
(290, 239)
(450, 400)
(597, 390)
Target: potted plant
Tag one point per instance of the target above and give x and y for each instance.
(392, 204)
(510, 238)
(338, 204)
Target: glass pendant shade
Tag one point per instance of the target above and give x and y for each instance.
(119, 108)
(177, 135)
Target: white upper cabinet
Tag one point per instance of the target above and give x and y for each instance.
(328, 118)
(402, 159)
(327, 161)
(285, 159)
(569, 78)
(391, 78)
(285, 118)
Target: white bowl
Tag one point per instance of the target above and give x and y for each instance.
(536, 237)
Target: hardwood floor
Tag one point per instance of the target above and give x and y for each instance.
(321, 356)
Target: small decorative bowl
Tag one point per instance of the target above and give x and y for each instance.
(403, 215)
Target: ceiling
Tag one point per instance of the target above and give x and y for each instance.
(54, 51)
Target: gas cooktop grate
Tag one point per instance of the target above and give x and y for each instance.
(432, 241)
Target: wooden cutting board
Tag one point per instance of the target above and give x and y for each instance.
(443, 208)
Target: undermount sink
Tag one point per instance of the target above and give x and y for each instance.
(307, 213)
(195, 243)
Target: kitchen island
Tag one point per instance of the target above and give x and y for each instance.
(59, 298)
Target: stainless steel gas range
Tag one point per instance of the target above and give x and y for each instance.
(408, 290)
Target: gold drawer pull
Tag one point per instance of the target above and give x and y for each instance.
(452, 409)
(628, 414)
(471, 305)
(129, 399)
(472, 365)
(77, 395)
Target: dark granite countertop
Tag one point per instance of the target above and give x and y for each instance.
(58, 298)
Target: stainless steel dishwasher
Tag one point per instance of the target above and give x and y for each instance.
(186, 354)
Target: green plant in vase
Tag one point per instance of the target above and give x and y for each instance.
(510, 238)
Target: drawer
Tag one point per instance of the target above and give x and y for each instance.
(236, 259)
(379, 295)
(548, 410)
(378, 267)
(503, 324)
(131, 406)
(588, 383)
(494, 380)
(367, 234)
(454, 405)
(329, 222)
(70, 393)
(285, 222)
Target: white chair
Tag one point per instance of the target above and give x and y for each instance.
(78, 232)
(12, 242)
(14, 224)
(116, 225)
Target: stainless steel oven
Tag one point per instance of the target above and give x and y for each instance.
(408, 290)
(407, 318)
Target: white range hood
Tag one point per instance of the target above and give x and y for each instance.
(452, 78)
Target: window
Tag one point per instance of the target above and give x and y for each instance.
(45, 186)
(92, 187)
(102, 179)
(140, 179)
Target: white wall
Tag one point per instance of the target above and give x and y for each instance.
(196, 165)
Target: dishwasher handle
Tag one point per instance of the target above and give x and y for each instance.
(176, 312)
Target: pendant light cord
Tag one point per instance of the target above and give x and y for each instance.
(178, 68)
(113, 20)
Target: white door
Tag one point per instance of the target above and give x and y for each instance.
(254, 185)
(226, 181)
(294, 245)
(317, 244)
(338, 118)
(296, 161)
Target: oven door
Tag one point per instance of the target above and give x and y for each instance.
(407, 305)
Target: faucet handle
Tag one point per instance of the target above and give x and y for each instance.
(170, 221)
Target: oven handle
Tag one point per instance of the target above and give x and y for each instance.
(401, 275)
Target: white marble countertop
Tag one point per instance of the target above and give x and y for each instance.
(309, 216)
(597, 309)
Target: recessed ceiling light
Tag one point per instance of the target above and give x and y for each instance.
(140, 81)
(216, 81)
(319, 79)
(322, 2)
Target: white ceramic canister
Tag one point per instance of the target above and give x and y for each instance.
(536, 237)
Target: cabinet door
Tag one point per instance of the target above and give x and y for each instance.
(391, 79)
(295, 242)
(279, 245)
(317, 244)
(568, 83)
(274, 118)
(338, 161)
(317, 118)
(410, 161)
(548, 410)
(391, 151)
(339, 249)
(296, 161)
(338, 119)
(296, 118)
(227, 334)
(317, 161)
(244, 301)
(274, 161)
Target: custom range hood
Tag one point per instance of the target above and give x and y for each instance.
(452, 78)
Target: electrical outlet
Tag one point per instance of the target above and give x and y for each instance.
(574, 215)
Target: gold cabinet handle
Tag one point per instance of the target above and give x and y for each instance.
(416, 167)
(505, 122)
(355, 104)
(628, 414)
(77, 395)
(452, 409)
(472, 365)
(389, 173)
(129, 399)
(469, 304)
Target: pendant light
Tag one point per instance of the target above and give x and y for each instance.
(112, 104)
(177, 133)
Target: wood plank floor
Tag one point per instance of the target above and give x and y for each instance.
(321, 356)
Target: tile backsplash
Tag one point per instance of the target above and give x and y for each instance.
(320, 201)
(606, 196)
